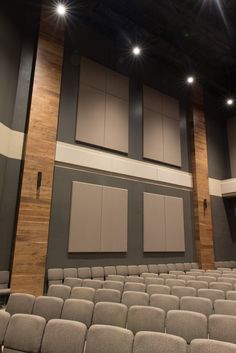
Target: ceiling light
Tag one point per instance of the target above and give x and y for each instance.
(136, 51)
(61, 10)
(190, 80)
(230, 101)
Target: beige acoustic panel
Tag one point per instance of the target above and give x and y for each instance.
(116, 124)
(174, 224)
(91, 116)
(93, 74)
(171, 141)
(171, 107)
(85, 218)
(152, 135)
(152, 99)
(117, 85)
(154, 223)
(114, 220)
(231, 125)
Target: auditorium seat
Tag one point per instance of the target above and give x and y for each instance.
(195, 265)
(59, 290)
(225, 307)
(187, 266)
(78, 310)
(180, 291)
(145, 318)
(92, 283)
(122, 270)
(177, 273)
(4, 320)
(130, 298)
(165, 302)
(70, 272)
(212, 294)
(48, 307)
(133, 270)
(98, 273)
(136, 287)
(73, 282)
(113, 285)
(211, 346)
(179, 266)
(227, 280)
(231, 295)
(162, 268)
(143, 269)
(207, 279)
(154, 280)
(221, 286)
(186, 278)
(158, 289)
(20, 303)
(222, 328)
(114, 314)
(55, 276)
(197, 304)
(84, 273)
(153, 268)
(135, 279)
(118, 278)
(147, 275)
(107, 295)
(171, 267)
(197, 284)
(174, 282)
(109, 270)
(83, 293)
(167, 276)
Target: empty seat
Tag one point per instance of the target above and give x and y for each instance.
(174, 282)
(83, 293)
(145, 318)
(211, 346)
(164, 301)
(155, 342)
(221, 286)
(4, 320)
(167, 276)
(154, 280)
(48, 307)
(98, 272)
(113, 285)
(171, 267)
(194, 273)
(24, 333)
(135, 298)
(222, 328)
(186, 278)
(73, 282)
(162, 268)
(177, 273)
(227, 280)
(107, 295)
(135, 279)
(20, 303)
(78, 310)
(212, 294)
(197, 284)
(62, 336)
(229, 274)
(70, 272)
(179, 266)
(55, 276)
(195, 265)
(59, 290)
(109, 270)
(136, 287)
(225, 307)
(181, 291)
(207, 279)
(197, 270)
(92, 283)
(149, 275)
(196, 304)
(114, 314)
(109, 339)
(84, 272)
(118, 278)
(143, 269)
(122, 270)
(231, 295)
(186, 324)
(133, 270)
(153, 268)
(157, 289)
(187, 266)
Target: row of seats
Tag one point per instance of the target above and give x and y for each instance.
(24, 333)
(225, 264)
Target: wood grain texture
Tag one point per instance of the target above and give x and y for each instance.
(34, 209)
(202, 218)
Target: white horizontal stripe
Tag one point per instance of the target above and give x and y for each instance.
(11, 142)
(215, 187)
(89, 158)
(228, 187)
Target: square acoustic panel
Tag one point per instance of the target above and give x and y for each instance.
(98, 221)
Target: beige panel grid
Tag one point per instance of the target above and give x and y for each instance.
(171, 142)
(153, 135)
(174, 224)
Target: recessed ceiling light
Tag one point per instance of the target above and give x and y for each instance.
(230, 101)
(190, 80)
(136, 51)
(61, 10)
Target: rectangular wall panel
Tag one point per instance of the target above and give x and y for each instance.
(117, 85)
(152, 135)
(171, 107)
(114, 220)
(154, 223)
(85, 218)
(174, 224)
(93, 74)
(171, 142)
(152, 99)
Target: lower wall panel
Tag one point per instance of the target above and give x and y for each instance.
(60, 217)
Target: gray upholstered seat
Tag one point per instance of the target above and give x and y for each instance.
(225, 307)
(84, 272)
(92, 283)
(55, 276)
(197, 284)
(162, 268)
(98, 272)
(136, 287)
(113, 285)
(109, 270)
(195, 265)
(118, 278)
(231, 295)
(227, 280)
(181, 291)
(4, 320)
(109, 339)
(122, 270)
(212, 294)
(143, 269)
(130, 298)
(206, 278)
(153, 268)
(177, 273)
(174, 282)
(221, 286)
(187, 266)
(78, 310)
(197, 304)
(62, 336)
(186, 278)
(83, 293)
(155, 342)
(171, 267)
(186, 324)
(20, 303)
(167, 276)
(48, 307)
(146, 275)
(135, 279)
(107, 295)
(133, 270)
(145, 318)
(154, 280)
(70, 272)
(179, 266)
(222, 328)
(73, 282)
(211, 346)
(114, 314)
(158, 289)
(164, 301)
(59, 290)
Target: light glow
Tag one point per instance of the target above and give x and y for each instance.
(61, 10)
(190, 80)
(230, 101)
(136, 51)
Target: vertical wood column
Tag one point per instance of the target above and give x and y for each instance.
(202, 209)
(34, 209)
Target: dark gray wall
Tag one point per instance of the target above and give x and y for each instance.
(60, 215)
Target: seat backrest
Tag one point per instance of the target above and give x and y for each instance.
(4, 320)
(64, 336)
(145, 318)
(136, 287)
(24, 333)
(154, 280)
(186, 324)
(197, 284)
(48, 307)
(122, 270)
(130, 298)
(227, 280)
(196, 304)
(187, 266)
(166, 276)
(133, 270)
(148, 275)
(207, 279)
(221, 286)
(83, 293)
(165, 302)
(113, 285)
(98, 272)
(174, 282)
(55, 276)
(212, 294)
(158, 289)
(114, 314)
(70, 272)
(155, 342)
(179, 266)
(20, 303)
(186, 278)
(78, 310)
(118, 278)
(222, 328)
(180, 291)
(73, 282)
(177, 273)
(153, 268)
(195, 265)
(211, 346)
(109, 270)
(92, 283)
(107, 295)
(225, 307)
(84, 272)
(4, 279)
(171, 267)
(143, 269)
(231, 295)
(135, 279)
(162, 268)
(59, 290)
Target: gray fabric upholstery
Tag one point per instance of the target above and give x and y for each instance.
(225, 307)
(197, 284)
(135, 279)
(136, 287)
(143, 269)
(227, 280)
(158, 289)
(177, 273)
(122, 270)
(83, 293)
(92, 283)
(110, 314)
(187, 266)
(171, 267)
(221, 286)
(146, 275)
(109, 270)
(118, 278)
(199, 305)
(107, 295)
(109, 339)
(153, 268)
(98, 272)
(164, 301)
(70, 272)
(174, 282)
(133, 270)
(195, 265)
(154, 342)
(73, 282)
(180, 291)
(55, 274)
(207, 279)
(113, 285)
(20, 303)
(145, 318)
(186, 324)
(179, 266)
(59, 290)
(84, 272)
(24, 333)
(4, 320)
(231, 295)
(162, 268)
(166, 276)
(64, 336)
(212, 294)
(154, 280)
(222, 328)
(211, 346)
(48, 307)
(186, 278)
(78, 310)
(135, 298)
